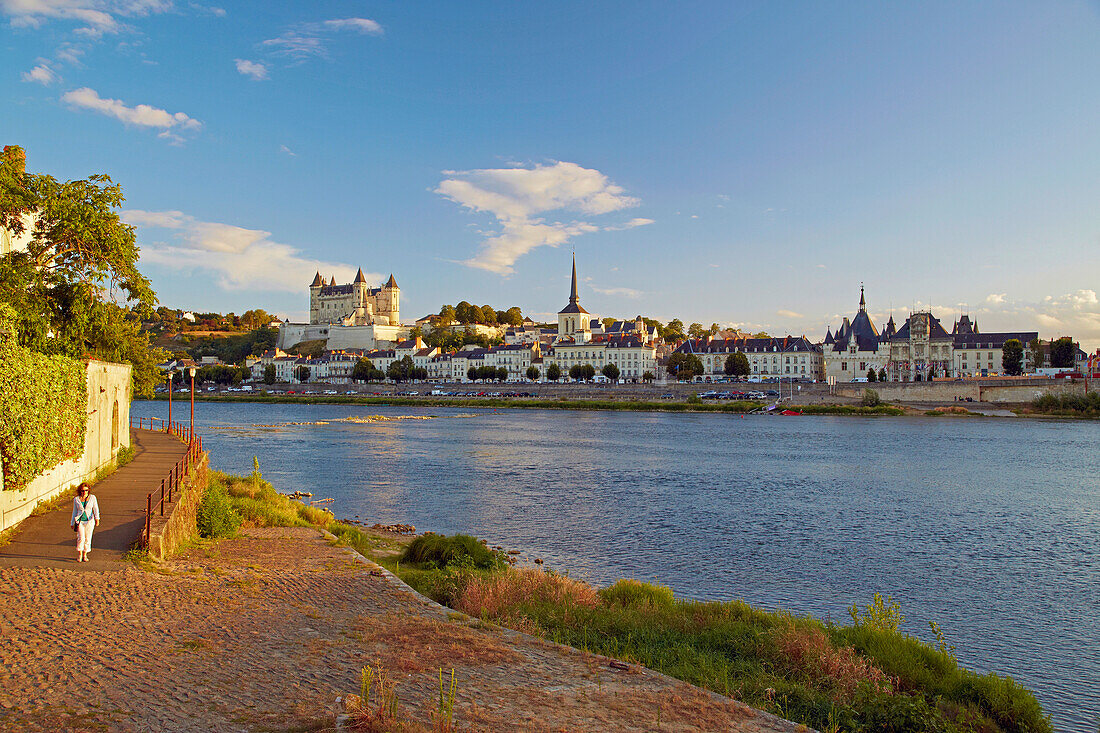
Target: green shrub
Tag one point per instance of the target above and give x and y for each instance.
(870, 398)
(216, 516)
(635, 594)
(125, 455)
(457, 551)
(43, 411)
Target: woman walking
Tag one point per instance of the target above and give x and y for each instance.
(85, 519)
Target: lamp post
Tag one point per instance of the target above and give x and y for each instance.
(171, 376)
(191, 372)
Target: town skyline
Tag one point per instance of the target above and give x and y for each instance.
(749, 166)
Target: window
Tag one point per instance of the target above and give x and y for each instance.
(843, 366)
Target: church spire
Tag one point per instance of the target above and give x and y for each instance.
(573, 291)
(862, 302)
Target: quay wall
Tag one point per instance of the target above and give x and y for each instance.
(1000, 392)
(108, 430)
(167, 533)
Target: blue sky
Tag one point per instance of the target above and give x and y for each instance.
(740, 163)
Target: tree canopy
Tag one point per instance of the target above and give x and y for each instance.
(737, 365)
(76, 289)
(684, 366)
(1062, 352)
(1012, 357)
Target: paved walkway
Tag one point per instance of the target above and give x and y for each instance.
(46, 541)
(262, 632)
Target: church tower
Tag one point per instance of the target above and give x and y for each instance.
(573, 320)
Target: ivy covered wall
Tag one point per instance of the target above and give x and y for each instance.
(43, 412)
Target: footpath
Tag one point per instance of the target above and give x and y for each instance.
(46, 541)
(264, 631)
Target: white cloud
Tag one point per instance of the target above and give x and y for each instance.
(362, 25)
(307, 40)
(995, 298)
(96, 17)
(239, 258)
(623, 292)
(637, 222)
(516, 196)
(141, 115)
(254, 69)
(789, 314)
(288, 151)
(41, 74)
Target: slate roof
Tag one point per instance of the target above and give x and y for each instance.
(993, 340)
(317, 280)
(359, 277)
(964, 327)
(787, 344)
(935, 330)
(391, 283)
(574, 304)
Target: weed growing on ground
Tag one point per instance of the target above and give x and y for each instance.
(460, 551)
(216, 516)
(445, 711)
(861, 678)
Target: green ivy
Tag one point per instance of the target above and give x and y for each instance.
(43, 411)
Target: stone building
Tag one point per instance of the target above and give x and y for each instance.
(793, 357)
(354, 304)
(857, 346)
(349, 316)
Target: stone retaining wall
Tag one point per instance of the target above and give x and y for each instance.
(108, 430)
(167, 533)
(1026, 391)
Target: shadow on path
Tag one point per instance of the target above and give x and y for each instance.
(48, 541)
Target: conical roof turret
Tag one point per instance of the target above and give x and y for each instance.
(359, 277)
(318, 281)
(391, 283)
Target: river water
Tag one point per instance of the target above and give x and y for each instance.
(990, 527)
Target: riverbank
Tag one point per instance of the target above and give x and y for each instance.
(735, 406)
(858, 678)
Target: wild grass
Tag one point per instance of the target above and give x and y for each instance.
(864, 677)
(216, 516)
(1069, 405)
(879, 410)
(433, 551)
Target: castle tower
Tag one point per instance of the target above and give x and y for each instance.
(315, 298)
(389, 302)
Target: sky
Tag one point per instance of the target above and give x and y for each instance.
(749, 164)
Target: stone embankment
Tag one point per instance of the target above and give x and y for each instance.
(266, 630)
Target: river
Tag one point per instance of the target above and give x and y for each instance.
(989, 527)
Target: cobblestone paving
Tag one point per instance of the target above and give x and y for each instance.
(263, 632)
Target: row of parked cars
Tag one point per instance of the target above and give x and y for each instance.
(758, 395)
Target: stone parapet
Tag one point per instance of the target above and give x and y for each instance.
(178, 525)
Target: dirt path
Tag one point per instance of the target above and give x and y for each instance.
(263, 632)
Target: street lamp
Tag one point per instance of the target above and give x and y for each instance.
(191, 372)
(171, 376)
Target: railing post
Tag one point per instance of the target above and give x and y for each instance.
(162, 488)
(148, 513)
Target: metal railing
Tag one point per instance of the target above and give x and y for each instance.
(176, 475)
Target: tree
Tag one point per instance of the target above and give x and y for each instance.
(301, 373)
(488, 315)
(269, 374)
(714, 328)
(882, 374)
(607, 322)
(872, 375)
(553, 372)
(446, 316)
(761, 335)
(648, 376)
(575, 372)
(587, 372)
(502, 374)
(533, 373)
(684, 366)
(1062, 352)
(471, 374)
(696, 331)
(253, 319)
(1036, 348)
(365, 371)
(674, 331)
(737, 365)
(76, 290)
(1012, 357)
(611, 372)
(464, 312)
(514, 316)
(401, 370)
(476, 315)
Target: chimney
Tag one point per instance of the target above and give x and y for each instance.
(17, 157)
